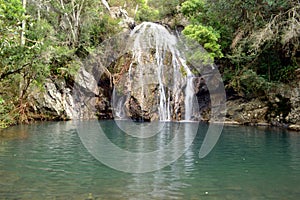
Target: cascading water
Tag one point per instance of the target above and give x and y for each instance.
(157, 74)
(119, 107)
(189, 97)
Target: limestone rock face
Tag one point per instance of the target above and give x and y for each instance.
(84, 99)
(145, 96)
(55, 100)
(153, 81)
(150, 81)
(279, 108)
(252, 112)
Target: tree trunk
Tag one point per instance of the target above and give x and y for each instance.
(105, 3)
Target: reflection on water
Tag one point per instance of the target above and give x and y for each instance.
(246, 163)
(138, 154)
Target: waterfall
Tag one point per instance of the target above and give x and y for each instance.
(189, 97)
(156, 61)
(119, 111)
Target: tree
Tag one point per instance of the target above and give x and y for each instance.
(206, 35)
(56, 32)
(258, 35)
(24, 59)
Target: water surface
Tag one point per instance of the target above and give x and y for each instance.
(48, 161)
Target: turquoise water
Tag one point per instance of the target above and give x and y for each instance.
(48, 161)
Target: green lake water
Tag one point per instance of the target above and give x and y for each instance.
(49, 161)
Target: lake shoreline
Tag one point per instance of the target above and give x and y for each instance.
(291, 127)
(226, 122)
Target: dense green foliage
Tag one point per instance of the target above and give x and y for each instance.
(255, 42)
(54, 31)
(261, 37)
(207, 37)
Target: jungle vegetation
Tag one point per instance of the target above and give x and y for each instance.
(253, 40)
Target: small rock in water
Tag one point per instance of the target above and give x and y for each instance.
(294, 127)
(90, 197)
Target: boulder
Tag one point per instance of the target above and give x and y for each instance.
(245, 112)
(54, 100)
(294, 127)
(83, 99)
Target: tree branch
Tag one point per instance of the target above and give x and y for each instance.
(4, 75)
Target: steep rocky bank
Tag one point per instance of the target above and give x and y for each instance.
(280, 107)
(277, 109)
(62, 99)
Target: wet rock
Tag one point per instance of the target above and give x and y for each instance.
(202, 93)
(231, 122)
(136, 113)
(154, 80)
(263, 124)
(294, 127)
